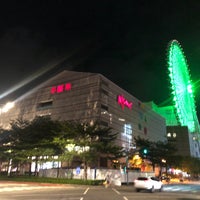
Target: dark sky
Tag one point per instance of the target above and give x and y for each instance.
(126, 41)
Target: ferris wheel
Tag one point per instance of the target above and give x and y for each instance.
(181, 86)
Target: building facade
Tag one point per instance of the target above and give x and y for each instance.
(186, 141)
(90, 97)
(179, 137)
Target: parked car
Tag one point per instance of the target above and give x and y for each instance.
(148, 183)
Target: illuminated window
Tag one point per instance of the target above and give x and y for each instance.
(169, 135)
(127, 136)
(174, 135)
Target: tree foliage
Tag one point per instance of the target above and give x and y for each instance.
(92, 141)
(44, 138)
(28, 140)
(157, 151)
(100, 140)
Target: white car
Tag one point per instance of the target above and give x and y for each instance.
(148, 183)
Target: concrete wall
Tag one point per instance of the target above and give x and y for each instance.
(117, 177)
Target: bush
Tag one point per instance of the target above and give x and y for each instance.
(50, 180)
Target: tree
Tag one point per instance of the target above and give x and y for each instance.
(156, 152)
(45, 138)
(93, 141)
(191, 165)
(32, 139)
(9, 143)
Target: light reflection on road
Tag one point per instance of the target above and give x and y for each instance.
(182, 188)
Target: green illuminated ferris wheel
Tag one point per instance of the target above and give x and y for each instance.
(181, 86)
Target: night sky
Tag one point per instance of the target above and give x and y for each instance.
(126, 41)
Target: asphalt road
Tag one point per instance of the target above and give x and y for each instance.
(15, 191)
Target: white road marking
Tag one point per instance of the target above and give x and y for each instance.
(86, 191)
(116, 191)
(125, 198)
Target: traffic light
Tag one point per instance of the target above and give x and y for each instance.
(145, 151)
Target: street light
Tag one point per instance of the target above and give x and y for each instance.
(5, 108)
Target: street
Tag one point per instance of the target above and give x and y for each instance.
(16, 191)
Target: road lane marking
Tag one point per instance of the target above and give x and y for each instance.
(116, 191)
(86, 191)
(125, 198)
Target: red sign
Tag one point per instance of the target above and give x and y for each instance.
(123, 102)
(61, 88)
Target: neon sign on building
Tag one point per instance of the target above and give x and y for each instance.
(61, 88)
(124, 102)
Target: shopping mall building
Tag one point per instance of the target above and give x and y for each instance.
(90, 97)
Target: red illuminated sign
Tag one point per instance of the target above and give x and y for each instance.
(123, 102)
(61, 88)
